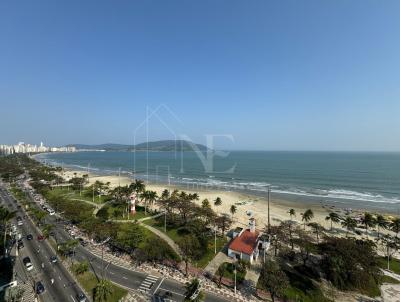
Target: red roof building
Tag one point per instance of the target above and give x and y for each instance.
(244, 245)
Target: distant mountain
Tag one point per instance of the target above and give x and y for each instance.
(165, 145)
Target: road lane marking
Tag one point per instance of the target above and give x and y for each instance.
(72, 298)
(162, 280)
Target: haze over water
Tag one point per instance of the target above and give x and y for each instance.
(370, 180)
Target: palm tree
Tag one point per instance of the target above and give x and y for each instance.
(165, 194)
(292, 213)
(307, 216)
(368, 221)
(349, 223)
(103, 290)
(148, 197)
(381, 223)
(395, 226)
(217, 201)
(138, 186)
(205, 204)
(318, 229)
(5, 217)
(233, 210)
(152, 197)
(192, 293)
(333, 217)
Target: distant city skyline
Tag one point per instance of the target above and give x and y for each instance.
(266, 75)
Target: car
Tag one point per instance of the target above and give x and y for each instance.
(20, 222)
(53, 259)
(40, 237)
(29, 237)
(81, 297)
(28, 263)
(82, 241)
(39, 288)
(20, 245)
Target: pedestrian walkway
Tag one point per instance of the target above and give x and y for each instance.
(28, 293)
(135, 297)
(164, 236)
(215, 263)
(148, 283)
(253, 273)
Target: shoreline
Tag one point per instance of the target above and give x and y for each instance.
(244, 202)
(290, 197)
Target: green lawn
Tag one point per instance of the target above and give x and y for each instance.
(301, 288)
(394, 264)
(85, 195)
(88, 281)
(229, 272)
(173, 234)
(388, 279)
(210, 253)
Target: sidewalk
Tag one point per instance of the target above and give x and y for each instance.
(170, 273)
(391, 292)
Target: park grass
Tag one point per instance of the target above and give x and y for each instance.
(302, 288)
(394, 264)
(173, 234)
(210, 253)
(140, 213)
(72, 194)
(89, 281)
(388, 279)
(229, 272)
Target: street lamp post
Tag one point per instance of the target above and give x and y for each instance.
(269, 193)
(215, 239)
(234, 271)
(165, 221)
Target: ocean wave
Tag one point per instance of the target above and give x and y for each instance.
(239, 184)
(312, 192)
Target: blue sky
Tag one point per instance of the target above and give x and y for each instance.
(276, 75)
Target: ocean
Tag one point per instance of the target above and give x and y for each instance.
(349, 179)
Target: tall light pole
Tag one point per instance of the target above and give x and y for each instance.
(165, 221)
(215, 239)
(234, 271)
(269, 224)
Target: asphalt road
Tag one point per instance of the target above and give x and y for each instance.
(63, 288)
(157, 289)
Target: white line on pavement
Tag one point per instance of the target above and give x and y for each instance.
(162, 280)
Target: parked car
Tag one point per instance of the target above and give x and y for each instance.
(81, 297)
(39, 288)
(40, 237)
(29, 237)
(20, 245)
(53, 259)
(28, 264)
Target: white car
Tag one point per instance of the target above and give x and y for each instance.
(28, 263)
(51, 212)
(20, 222)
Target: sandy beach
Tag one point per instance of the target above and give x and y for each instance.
(257, 205)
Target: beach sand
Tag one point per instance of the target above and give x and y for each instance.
(244, 202)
